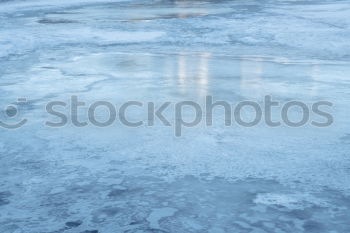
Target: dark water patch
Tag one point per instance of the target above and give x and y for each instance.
(151, 230)
(110, 211)
(4, 196)
(56, 21)
(300, 214)
(117, 192)
(170, 16)
(63, 13)
(73, 224)
(313, 226)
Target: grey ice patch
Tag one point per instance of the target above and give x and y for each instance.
(105, 213)
(57, 190)
(157, 214)
(216, 230)
(111, 180)
(345, 138)
(290, 201)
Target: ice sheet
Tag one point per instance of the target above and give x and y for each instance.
(211, 179)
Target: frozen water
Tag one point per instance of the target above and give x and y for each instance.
(212, 179)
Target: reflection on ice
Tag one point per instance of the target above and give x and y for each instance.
(203, 74)
(182, 70)
(251, 77)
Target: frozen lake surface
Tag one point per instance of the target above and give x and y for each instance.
(144, 179)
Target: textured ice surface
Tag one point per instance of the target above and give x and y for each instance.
(212, 179)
